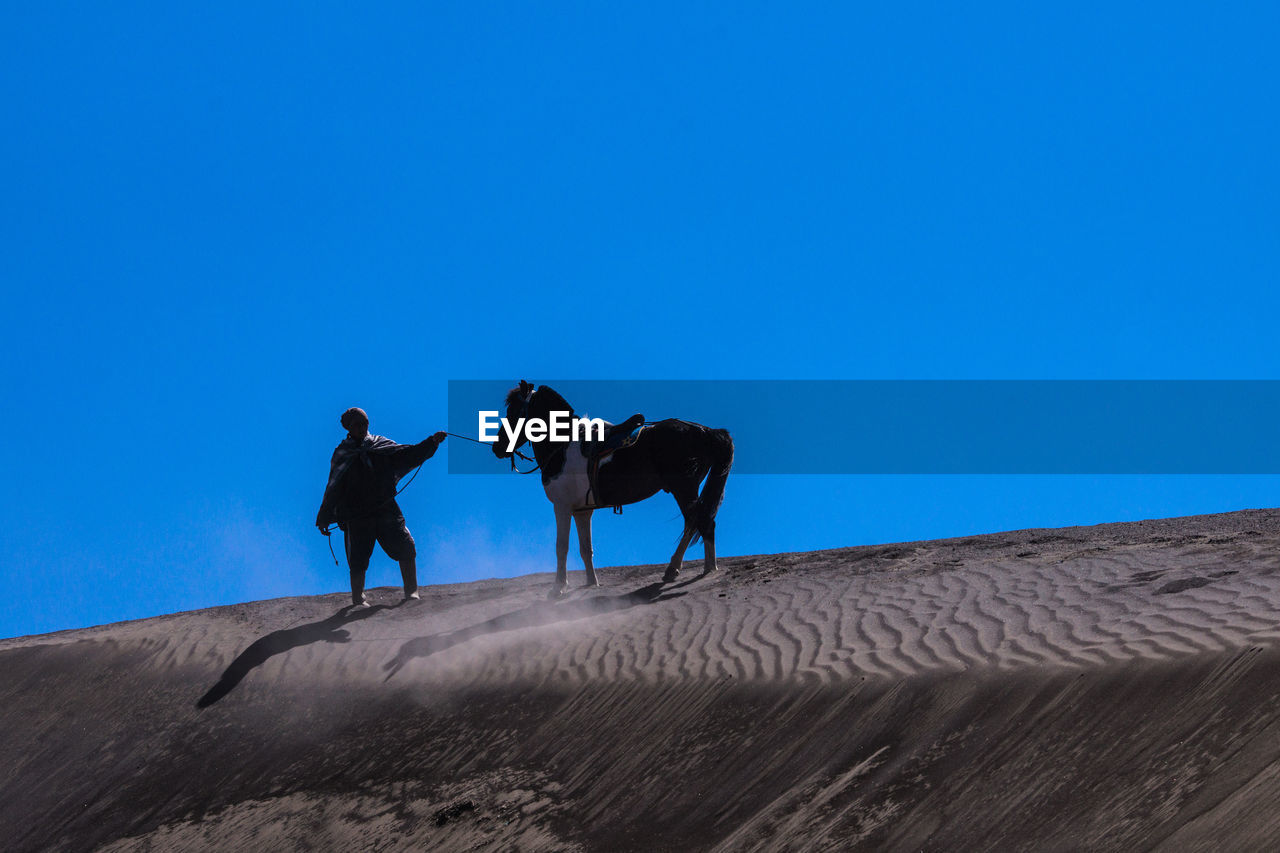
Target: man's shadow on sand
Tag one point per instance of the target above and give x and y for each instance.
(536, 615)
(264, 648)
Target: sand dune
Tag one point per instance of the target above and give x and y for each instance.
(1109, 687)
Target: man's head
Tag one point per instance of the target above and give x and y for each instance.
(356, 423)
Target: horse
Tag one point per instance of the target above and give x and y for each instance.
(670, 455)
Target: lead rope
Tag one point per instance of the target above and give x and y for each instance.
(513, 455)
(328, 530)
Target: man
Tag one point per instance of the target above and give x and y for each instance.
(361, 499)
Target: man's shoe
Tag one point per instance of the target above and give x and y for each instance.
(412, 596)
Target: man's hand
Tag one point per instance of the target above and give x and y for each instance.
(323, 528)
(440, 436)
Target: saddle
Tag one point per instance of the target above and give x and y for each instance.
(616, 437)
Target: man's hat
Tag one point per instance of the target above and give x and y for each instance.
(351, 415)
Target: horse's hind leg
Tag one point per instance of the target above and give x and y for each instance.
(563, 516)
(582, 520)
(685, 497)
(707, 530)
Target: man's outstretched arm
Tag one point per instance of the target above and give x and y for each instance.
(412, 455)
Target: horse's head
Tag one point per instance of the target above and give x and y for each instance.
(518, 402)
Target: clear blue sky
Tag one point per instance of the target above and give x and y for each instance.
(222, 225)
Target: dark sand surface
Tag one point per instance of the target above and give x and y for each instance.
(1114, 687)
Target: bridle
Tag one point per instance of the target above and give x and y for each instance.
(524, 414)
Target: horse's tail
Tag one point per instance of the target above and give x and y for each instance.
(720, 451)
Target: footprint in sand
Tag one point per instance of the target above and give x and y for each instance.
(1183, 584)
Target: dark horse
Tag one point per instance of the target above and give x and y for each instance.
(671, 455)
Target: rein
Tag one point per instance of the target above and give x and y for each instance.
(514, 454)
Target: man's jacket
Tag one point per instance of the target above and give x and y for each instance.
(363, 477)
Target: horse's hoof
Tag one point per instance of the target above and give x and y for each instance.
(591, 585)
(671, 575)
(557, 593)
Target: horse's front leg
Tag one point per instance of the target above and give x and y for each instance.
(563, 516)
(677, 559)
(582, 520)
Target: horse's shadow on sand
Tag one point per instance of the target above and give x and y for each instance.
(536, 615)
(277, 642)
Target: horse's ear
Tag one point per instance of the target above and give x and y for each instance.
(525, 387)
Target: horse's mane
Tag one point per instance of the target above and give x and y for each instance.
(557, 403)
(513, 396)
